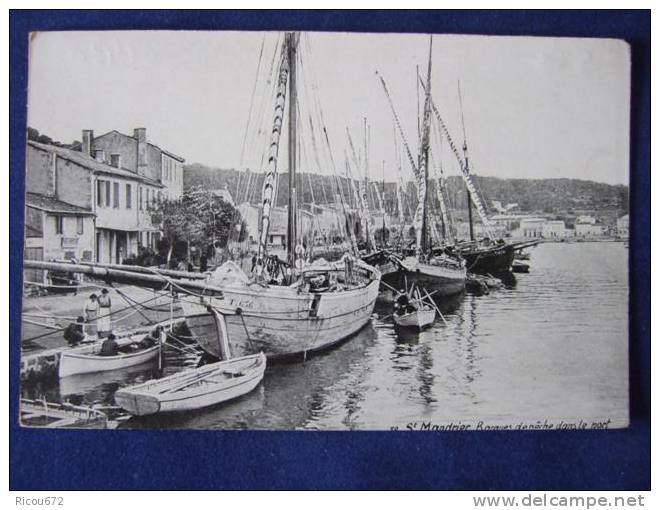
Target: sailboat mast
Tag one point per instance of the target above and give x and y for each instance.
(467, 163)
(269, 191)
(426, 128)
(292, 234)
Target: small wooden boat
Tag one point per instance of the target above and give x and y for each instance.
(194, 389)
(419, 318)
(40, 413)
(519, 266)
(412, 310)
(87, 359)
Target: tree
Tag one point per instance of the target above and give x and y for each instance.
(198, 218)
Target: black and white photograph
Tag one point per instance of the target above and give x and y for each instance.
(327, 231)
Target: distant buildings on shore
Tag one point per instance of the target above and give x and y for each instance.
(585, 226)
(90, 202)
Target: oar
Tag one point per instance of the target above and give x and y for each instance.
(390, 287)
(436, 308)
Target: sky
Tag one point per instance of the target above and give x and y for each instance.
(533, 107)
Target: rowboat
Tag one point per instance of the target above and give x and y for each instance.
(87, 359)
(420, 318)
(412, 310)
(40, 413)
(194, 389)
(519, 266)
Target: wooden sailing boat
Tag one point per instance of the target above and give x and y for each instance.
(294, 308)
(442, 271)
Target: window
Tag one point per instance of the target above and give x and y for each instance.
(140, 199)
(116, 197)
(115, 160)
(99, 193)
(99, 155)
(59, 224)
(80, 225)
(129, 198)
(107, 194)
(34, 223)
(159, 197)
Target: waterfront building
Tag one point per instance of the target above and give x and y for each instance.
(553, 229)
(135, 154)
(589, 230)
(623, 226)
(68, 184)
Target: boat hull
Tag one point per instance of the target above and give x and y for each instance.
(85, 360)
(418, 319)
(279, 321)
(440, 280)
(494, 260)
(152, 397)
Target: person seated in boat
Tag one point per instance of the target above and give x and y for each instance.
(402, 305)
(151, 339)
(73, 333)
(109, 346)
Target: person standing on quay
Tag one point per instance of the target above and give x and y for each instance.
(104, 324)
(91, 312)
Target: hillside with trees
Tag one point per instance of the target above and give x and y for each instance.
(547, 196)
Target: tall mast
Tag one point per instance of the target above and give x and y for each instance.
(472, 191)
(467, 162)
(269, 191)
(422, 239)
(382, 202)
(292, 234)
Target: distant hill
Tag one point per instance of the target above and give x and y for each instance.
(544, 196)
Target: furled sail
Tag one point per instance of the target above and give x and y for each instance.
(476, 199)
(270, 181)
(422, 165)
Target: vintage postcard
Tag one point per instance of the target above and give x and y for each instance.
(328, 231)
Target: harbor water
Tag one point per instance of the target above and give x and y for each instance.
(551, 348)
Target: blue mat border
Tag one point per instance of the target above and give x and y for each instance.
(124, 460)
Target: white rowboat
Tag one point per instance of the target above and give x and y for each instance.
(194, 389)
(417, 319)
(86, 359)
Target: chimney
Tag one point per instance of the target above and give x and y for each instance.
(140, 134)
(87, 139)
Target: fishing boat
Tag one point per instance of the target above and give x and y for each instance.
(412, 310)
(88, 359)
(487, 257)
(441, 270)
(292, 307)
(40, 413)
(194, 389)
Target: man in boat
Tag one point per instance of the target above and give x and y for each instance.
(73, 333)
(109, 346)
(105, 304)
(152, 338)
(402, 305)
